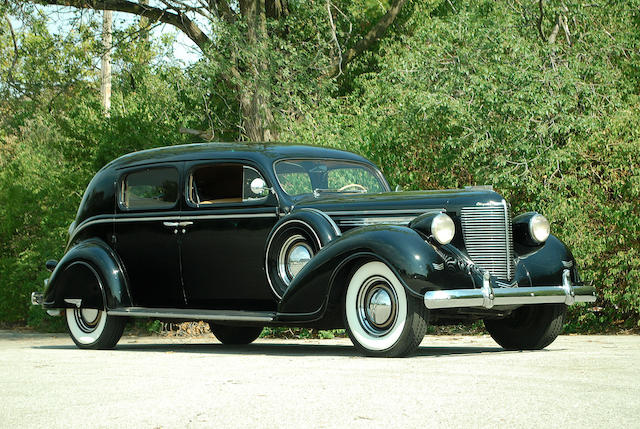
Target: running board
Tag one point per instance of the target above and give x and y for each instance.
(179, 313)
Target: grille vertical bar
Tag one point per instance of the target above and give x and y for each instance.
(488, 238)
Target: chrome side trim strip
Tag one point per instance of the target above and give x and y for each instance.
(382, 220)
(415, 212)
(488, 297)
(177, 313)
(177, 216)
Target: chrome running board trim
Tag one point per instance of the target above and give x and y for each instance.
(179, 313)
(488, 297)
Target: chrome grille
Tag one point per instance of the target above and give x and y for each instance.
(488, 238)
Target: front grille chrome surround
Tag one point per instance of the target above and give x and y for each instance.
(488, 237)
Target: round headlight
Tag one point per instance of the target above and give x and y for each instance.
(539, 228)
(443, 228)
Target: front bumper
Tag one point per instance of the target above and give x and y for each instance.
(488, 296)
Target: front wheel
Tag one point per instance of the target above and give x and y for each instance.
(380, 318)
(530, 327)
(94, 329)
(235, 335)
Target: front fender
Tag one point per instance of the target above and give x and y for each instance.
(68, 278)
(401, 248)
(545, 264)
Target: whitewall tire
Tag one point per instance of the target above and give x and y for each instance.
(94, 329)
(380, 317)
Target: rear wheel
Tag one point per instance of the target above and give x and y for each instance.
(94, 329)
(381, 319)
(235, 335)
(530, 327)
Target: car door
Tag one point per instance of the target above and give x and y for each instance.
(146, 234)
(222, 251)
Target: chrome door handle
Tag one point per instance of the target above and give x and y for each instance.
(171, 224)
(185, 223)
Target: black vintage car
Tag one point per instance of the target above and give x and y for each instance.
(251, 235)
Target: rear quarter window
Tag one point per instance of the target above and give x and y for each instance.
(152, 188)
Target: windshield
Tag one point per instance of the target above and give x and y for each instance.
(316, 176)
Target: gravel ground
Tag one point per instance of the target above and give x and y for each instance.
(454, 381)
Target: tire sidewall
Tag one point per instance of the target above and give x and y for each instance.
(80, 337)
(357, 333)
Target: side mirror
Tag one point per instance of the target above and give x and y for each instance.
(259, 187)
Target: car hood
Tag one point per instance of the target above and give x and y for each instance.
(399, 203)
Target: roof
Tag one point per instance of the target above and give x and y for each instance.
(258, 152)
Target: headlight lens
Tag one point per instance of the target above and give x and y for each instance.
(443, 228)
(539, 228)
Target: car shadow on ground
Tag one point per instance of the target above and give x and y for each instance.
(284, 349)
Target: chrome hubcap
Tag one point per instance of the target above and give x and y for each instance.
(298, 257)
(294, 255)
(87, 319)
(377, 306)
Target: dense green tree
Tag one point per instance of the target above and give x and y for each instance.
(248, 44)
(539, 99)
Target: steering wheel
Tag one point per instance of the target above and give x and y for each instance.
(353, 185)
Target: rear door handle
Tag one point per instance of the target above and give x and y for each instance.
(185, 223)
(171, 224)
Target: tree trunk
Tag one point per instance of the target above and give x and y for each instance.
(144, 23)
(257, 118)
(105, 85)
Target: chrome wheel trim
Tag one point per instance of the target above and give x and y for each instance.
(377, 305)
(83, 330)
(270, 264)
(366, 281)
(297, 257)
(285, 270)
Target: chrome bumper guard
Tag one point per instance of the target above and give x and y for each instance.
(37, 298)
(488, 296)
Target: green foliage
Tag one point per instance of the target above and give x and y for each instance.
(468, 93)
(458, 92)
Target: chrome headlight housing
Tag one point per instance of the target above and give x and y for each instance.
(530, 229)
(539, 228)
(442, 228)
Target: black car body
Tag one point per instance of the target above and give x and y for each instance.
(253, 235)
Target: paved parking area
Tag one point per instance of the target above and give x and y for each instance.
(454, 381)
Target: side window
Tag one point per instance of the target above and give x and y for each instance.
(153, 188)
(223, 183)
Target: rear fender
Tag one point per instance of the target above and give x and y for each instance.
(90, 271)
(323, 279)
